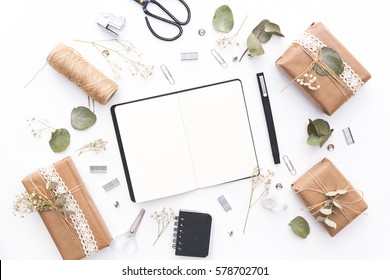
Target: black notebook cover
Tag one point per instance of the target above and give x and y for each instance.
(192, 234)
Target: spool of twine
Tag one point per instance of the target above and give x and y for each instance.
(73, 66)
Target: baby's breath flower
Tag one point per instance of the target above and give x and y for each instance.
(26, 203)
(110, 47)
(163, 218)
(97, 146)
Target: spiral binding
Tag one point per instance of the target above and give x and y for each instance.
(178, 234)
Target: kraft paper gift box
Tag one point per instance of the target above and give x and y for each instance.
(334, 89)
(324, 186)
(80, 233)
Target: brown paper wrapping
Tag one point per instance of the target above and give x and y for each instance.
(65, 236)
(295, 61)
(325, 177)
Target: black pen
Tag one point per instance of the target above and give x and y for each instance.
(268, 117)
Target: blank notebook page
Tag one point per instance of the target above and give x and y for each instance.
(182, 141)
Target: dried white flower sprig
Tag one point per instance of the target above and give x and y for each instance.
(229, 41)
(96, 146)
(258, 178)
(38, 201)
(163, 218)
(122, 50)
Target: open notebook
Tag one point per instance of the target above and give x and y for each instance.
(181, 141)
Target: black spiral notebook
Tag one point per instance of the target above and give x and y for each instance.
(192, 234)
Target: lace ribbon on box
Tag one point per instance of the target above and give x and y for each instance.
(80, 224)
(313, 44)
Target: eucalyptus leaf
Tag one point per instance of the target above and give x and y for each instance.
(326, 138)
(321, 126)
(332, 59)
(60, 200)
(311, 128)
(51, 185)
(330, 223)
(326, 211)
(332, 193)
(314, 140)
(300, 227)
(342, 191)
(254, 45)
(321, 219)
(328, 203)
(223, 19)
(82, 118)
(273, 29)
(338, 205)
(60, 140)
(260, 33)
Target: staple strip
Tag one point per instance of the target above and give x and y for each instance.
(98, 169)
(224, 203)
(189, 56)
(110, 185)
(348, 136)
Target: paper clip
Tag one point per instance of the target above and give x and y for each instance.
(219, 58)
(167, 74)
(289, 165)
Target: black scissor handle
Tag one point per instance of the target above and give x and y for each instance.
(175, 22)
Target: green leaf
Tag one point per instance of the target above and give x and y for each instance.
(325, 138)
(60, 200)
(254, 45)
(300, 227)
(60, 140)
(51, 185)
(260, 33)
(311, 128)
(273, 29)
(330, 223)
(314, 140)
(223, 19)
(321, 126)
(82, 118)
(332, 59)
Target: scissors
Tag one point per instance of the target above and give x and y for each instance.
(173, 20)
(126, 241)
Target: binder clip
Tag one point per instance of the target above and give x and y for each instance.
(110, 22)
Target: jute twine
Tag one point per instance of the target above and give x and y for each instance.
(73, 66)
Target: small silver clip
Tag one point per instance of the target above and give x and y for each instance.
(109, 21)
(219, 58)
(348, 136)
(98, 169)
(110, 185)
(167, 74)
(289, 165)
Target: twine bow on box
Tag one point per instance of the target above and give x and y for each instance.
(347, 81)
(335, 203)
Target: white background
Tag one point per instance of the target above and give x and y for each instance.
(30, 29)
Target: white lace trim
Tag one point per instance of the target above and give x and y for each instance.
(80, 224)
(349, 77)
